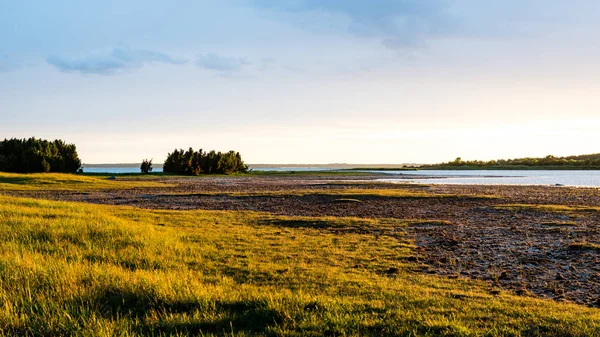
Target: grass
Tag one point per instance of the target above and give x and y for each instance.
(547, 208)
(292, 173)
(59, 181)
(383, 169)
(429, 223)
(346, 194)
(79, 270)
(558, 223)
(584, 246)
(347, 200)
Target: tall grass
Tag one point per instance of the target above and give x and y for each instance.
(81, 270)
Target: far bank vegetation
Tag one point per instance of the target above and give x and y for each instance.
(581, 162)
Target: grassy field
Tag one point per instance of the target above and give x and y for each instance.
(78, 270)
(60, 181)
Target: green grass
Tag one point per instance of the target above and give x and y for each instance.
(80, 270)
(287, 173)
(383, 169)
(60, 181)
(292, 173)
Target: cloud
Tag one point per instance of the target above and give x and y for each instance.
(397, 23)
(221, 64)
(115, 61)
(8, 63)
(266, 64)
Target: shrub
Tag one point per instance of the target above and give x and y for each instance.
(192, 162)
(146, 166)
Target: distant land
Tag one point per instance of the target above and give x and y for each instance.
(335, 166)
(117, 165)
(550, 162)
(260, 166)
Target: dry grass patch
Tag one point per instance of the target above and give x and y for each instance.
(547, 208)
(342, 194)
(584, 246)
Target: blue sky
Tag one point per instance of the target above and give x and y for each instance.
(304, 81)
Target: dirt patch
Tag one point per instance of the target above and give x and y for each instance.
(515, 251)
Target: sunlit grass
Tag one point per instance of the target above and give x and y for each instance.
(584, 246)
(299, 173)
(345, 194)
(78, 269)
(558, 223)
(60, 181)
(548, 208)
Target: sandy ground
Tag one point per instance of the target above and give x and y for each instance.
(528, 251)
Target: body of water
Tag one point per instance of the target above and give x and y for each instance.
(289, 169)
(497, 177)
(472, 177)
(116, 170)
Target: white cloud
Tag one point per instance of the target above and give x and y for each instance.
(221, 63)
(111, 62)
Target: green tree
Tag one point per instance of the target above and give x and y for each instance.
(38, 155)
(146, 166)
(199, 162)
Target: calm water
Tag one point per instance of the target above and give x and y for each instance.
(492, 177)
(295, 169)
(116, 169)
(542, 177)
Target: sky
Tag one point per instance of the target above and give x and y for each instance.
(304, 81)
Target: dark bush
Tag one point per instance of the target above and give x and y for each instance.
(146, 166)
(38, 155)
(192, 162)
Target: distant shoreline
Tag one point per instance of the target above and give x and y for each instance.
(121, 165)
(509, 168)
(257, 166)
(378, 167)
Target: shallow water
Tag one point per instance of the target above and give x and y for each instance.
(295, 169)
(116, 169)
(497, 177)
(467, 177)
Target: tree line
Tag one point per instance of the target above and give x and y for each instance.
(38, 155)
(192, 162)
(590, 161)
